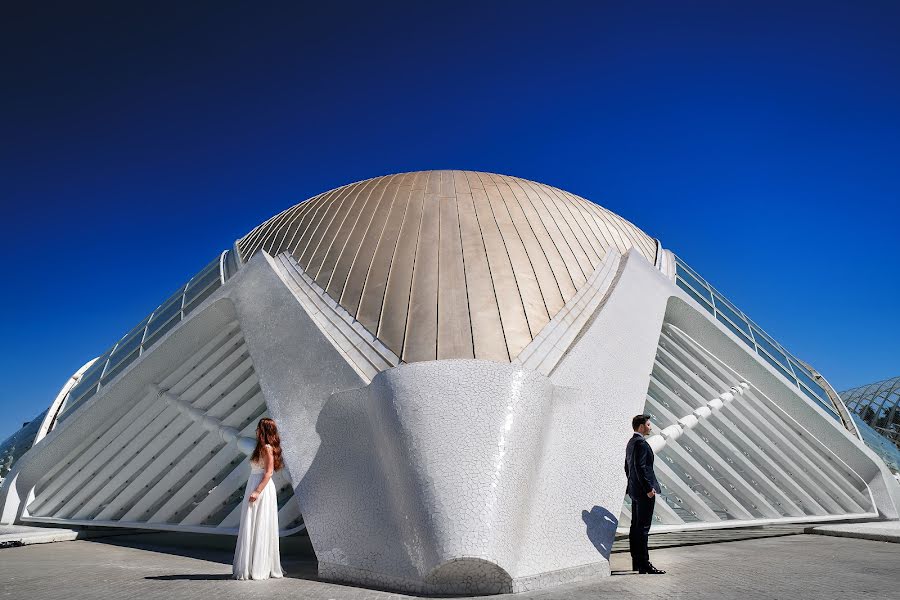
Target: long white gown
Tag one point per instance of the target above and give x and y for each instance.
(256, 555)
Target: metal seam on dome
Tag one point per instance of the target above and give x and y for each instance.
(559, 268)
(345, 233)
(311, 217)
(334, 238)
(558, 224)
(479, 261)
(319, 221)
(574, 213)
(545, 316)
(509, 304)
(540, 259)
(382, 250)
(352, 289)
(404, 355)
(290, 245)
(515, 251)
(462, 254)
(399, 277)
(324, 231)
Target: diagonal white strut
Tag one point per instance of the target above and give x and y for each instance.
(675, 431)
(229, 435)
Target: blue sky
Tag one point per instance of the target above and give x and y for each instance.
(760, 141)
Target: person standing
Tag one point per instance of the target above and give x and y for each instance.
(256, 555)
(642, 489)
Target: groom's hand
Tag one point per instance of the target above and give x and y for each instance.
(651, 493)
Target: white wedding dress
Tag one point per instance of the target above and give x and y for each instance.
(256, 555)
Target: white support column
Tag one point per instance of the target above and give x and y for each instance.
(675, 431)
(229, 435)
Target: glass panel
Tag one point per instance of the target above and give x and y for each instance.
(695, 283)
(735, 330)
(19, 443)
(686, 267)
(162, 316)
(775, 364)
(810, 382)
(71, 404)
(90, 378)
(163, 328)
(764, 341)
(127, 346)
(115, 369)
(798, 367)
(203, 295)
(703, 302)
(201, 280)
(828, 407)
(725, 308)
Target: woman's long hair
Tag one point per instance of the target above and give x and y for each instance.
(267, 433)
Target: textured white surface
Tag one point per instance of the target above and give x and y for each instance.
(440, 463)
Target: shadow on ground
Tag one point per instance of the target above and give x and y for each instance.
(297, 557)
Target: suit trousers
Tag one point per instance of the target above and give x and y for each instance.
(641, 518)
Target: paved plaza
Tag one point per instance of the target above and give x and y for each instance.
(791, 566)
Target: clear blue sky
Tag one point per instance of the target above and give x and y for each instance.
(758, 140)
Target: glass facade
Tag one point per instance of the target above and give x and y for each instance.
(752, 335)
(150, 330)
(18, 444)
(882, 446)
(876, 405)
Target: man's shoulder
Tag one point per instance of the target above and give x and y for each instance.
(641, 442)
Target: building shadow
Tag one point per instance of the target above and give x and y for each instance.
(191, 577)
(601, 529)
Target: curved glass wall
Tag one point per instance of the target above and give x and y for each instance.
(752, 335)
(149, 331)
(882, 446)
(876, 405)
(18, 444)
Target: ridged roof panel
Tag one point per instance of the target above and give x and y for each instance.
(449, 264)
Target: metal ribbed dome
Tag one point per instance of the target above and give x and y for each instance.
(449, 264)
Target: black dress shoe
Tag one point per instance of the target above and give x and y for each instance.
(649, 569)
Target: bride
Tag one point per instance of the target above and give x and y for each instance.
(256, 554)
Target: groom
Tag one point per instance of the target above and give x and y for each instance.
(642, 488)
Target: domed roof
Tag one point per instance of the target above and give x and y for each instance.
(449, 264)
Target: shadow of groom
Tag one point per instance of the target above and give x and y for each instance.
(601, 529)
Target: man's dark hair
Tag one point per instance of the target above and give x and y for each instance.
(639, 420)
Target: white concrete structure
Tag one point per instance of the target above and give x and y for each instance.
(453, 359)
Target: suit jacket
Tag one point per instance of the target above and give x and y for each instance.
(639, 467)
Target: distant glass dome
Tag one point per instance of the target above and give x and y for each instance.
(877, 406)
(449, 264)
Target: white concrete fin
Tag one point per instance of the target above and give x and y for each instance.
(356, 344)
(544, 352)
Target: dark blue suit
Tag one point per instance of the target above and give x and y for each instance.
(641, 479)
